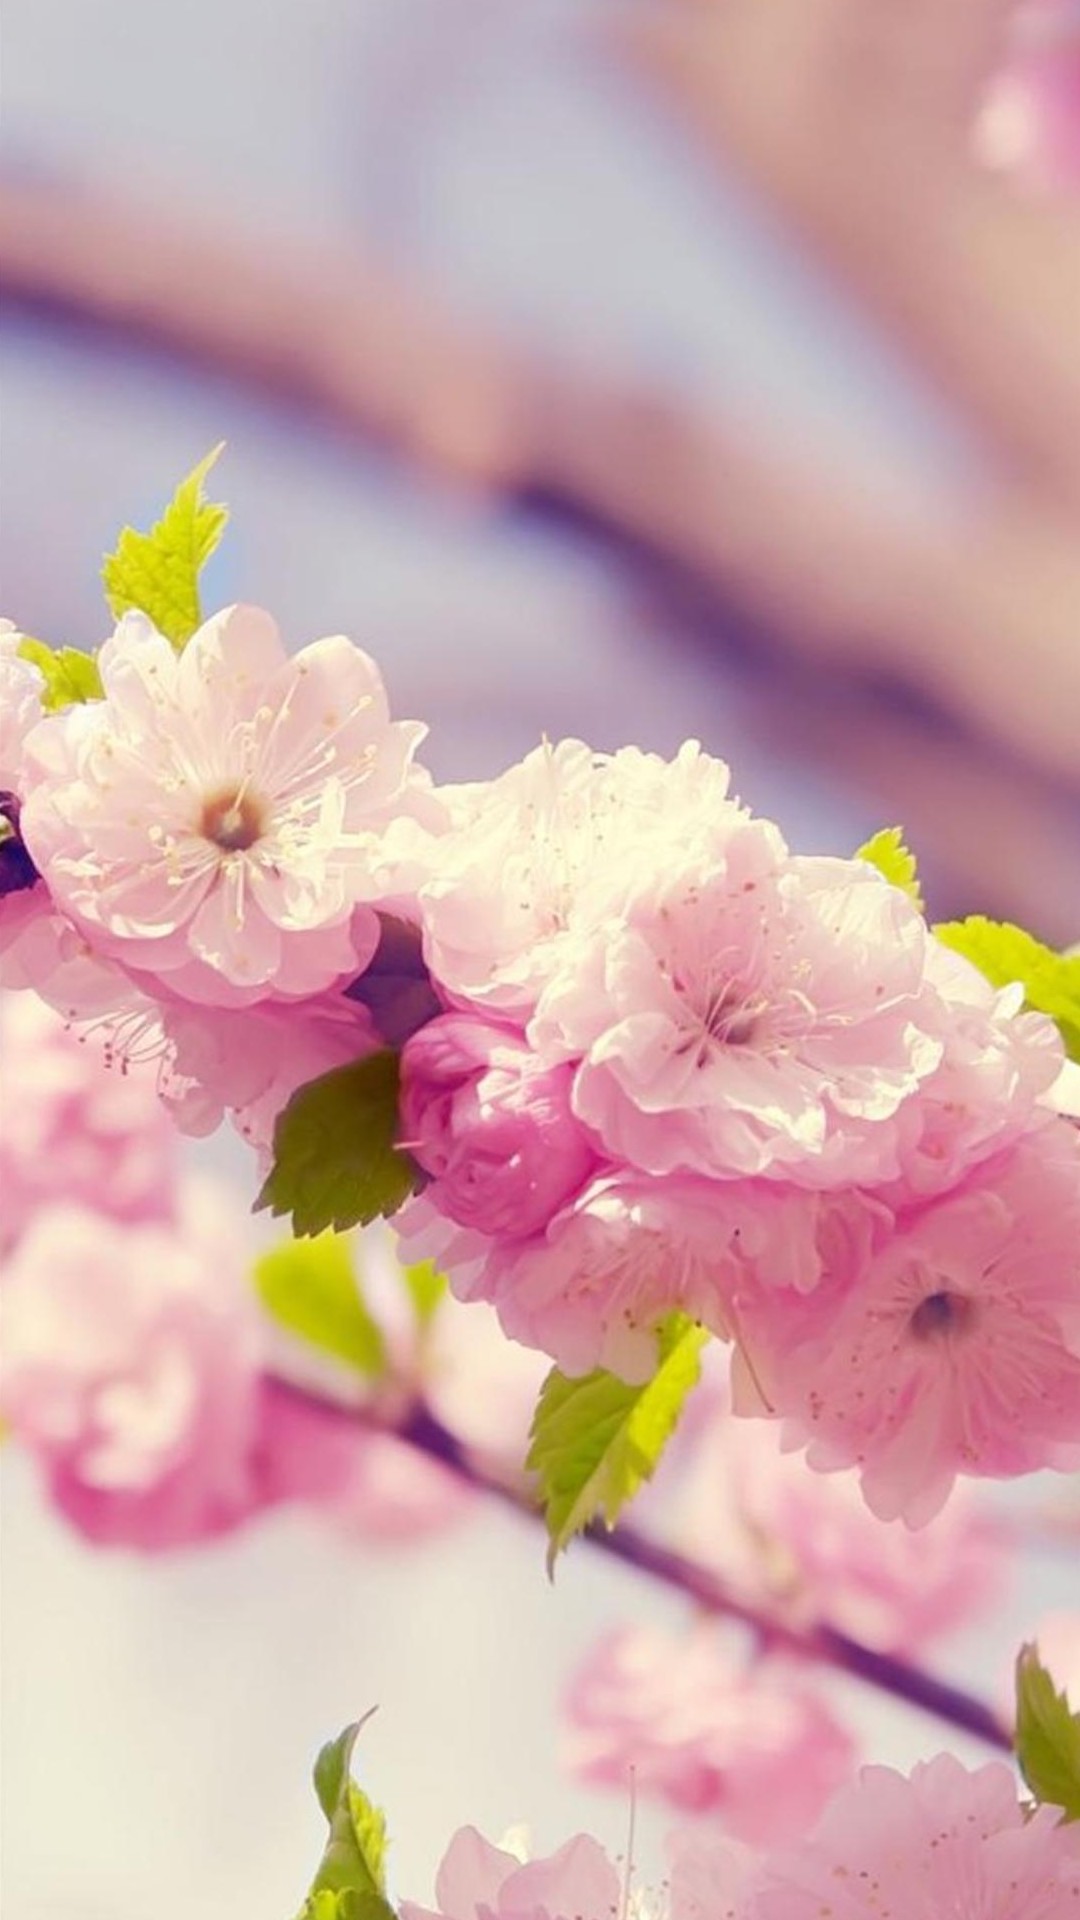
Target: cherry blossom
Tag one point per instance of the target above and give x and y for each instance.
(247, 1061)
(943, 1841)
(478, 1881)
(534, 854)
(207, 823)
(953, 1347)
(594, 1288)
(491, 1123)
(806, 1543)
(749, 1013)
(688, 1721)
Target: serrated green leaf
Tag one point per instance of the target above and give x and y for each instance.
(887, 852)
(596, 1440)
(335, 1162)
(1008, 955)
(311, 1287)
(1047, 1736)
(351, 1881)
(71, 677)
(157, 573)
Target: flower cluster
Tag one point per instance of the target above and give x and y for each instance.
(945, 1840)
(683, 1069)
(652, 1062)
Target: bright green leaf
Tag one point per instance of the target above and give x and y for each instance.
(335, 1162)
(1047, 1736)
(1006, 954)
(886, 851)
(322, 1906)
(595, 1440)
(157, 573)
(71, 676)
(351, 1881)
(311, 1287)
(348, 1905)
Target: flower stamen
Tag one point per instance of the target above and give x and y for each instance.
(233, 820)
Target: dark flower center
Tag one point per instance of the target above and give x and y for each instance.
(234, 821)
(941, 1314)
(17, 870)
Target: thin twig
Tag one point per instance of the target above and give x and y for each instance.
(818, 1642)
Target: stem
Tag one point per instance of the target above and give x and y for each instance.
(818, 1642)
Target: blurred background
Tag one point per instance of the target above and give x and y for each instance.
(462, 290)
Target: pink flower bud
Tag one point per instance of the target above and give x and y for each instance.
(492, 1125)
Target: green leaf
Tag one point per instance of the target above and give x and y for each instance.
(1006, 954)
(595, 1440)
(886, 851)
(157, 573)
(1047, 1736)
(311, 1288)
(71, 677)
(351, 1881)
(348, 1905)
(335, 1163)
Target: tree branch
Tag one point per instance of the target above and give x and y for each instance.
(820, 1642)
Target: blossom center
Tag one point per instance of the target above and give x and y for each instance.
(17, 870)
(942, 1314)
(730, 1018)
(233, 820)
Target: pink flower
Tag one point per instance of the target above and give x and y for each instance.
(477, 1881)
(952, 1347)
(806, 1542)
(945, 1841)
(709, 1880)
(1002, 1071)
(211, 822)
(747, 1012)
(685, 1720)
(128, 1364)
(626, 1253)
(491, 1123)
(531, 856)
(248, 1061)
(80, 1126)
